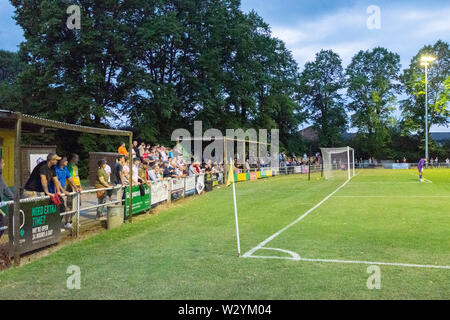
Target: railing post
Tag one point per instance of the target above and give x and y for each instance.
(169, 190)
(17, 184)
(76, 203)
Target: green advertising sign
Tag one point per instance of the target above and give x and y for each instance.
(140, 203)
(40, 225)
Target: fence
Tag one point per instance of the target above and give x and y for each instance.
(41, 221)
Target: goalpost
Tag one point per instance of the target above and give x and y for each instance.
(338, 162)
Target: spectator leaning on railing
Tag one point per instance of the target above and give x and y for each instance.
(73, 170)
(43, 179)
(118, 178)
(66, 180)
(100, 183)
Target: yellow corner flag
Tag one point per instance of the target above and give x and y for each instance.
(230, 174)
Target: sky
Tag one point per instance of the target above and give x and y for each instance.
(344, 26)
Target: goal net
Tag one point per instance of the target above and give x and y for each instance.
(338, 162)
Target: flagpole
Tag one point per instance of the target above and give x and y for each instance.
(236, 217)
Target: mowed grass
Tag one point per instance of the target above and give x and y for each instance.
(189, 251)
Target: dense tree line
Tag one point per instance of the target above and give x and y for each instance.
(156, 65)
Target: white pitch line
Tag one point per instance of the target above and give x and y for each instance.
(411, 196)
(410, 265)
(263, 243)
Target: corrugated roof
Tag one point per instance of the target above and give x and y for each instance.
(11, 115)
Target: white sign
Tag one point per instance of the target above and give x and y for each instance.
(177, 184)
(35, 159)
(189, 184)
(298, 170)
(159, 191)
(200, 185)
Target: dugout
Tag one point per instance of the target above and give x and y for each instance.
(12, 124)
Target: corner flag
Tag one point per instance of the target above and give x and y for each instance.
(230, 180)
(230, 174)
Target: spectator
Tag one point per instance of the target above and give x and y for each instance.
(64, 177)
(126, 171)
(135, 171)
(4, 191)
(109, 193)
(142, 149)
(119, 179)
(168, 170)
(153, 173)
(43, 179)
(122, 149)
(135, 149)
(73, 170)
(436, 161)
(447, 161)
(143, 173)
(404, 159)
(100, 183)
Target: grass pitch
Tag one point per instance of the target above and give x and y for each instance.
(189, 251)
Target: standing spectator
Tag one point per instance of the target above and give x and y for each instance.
(168, 170)
(142, 149)
(153, 173)
(119, 179)
(65, 179)
(4, 191)
(123, 150)
(436, 161)
(43, 179)
(135, 149)
(108, 170)
(447, 162)
(404, 159)
(73, 170)
(431, 161)
(126, 171)
(135, 171)
(100, 183)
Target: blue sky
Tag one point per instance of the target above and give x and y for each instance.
(341, 25)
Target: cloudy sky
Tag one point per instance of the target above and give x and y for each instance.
(307, 26)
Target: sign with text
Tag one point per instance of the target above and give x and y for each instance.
(189, 188)
(159, 191)
(141, 203)
(40, 225)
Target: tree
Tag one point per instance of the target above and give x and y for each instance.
(372, 78)
(74, 75)
(413, 80)
(10, 68)
(319, 92)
